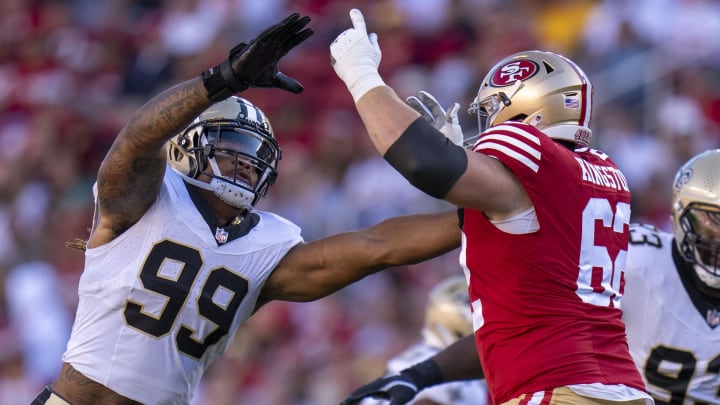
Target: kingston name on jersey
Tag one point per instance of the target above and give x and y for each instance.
(602, 175)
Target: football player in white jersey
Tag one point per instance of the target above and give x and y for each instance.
(671, 303)
(178, 258)
(447, 319)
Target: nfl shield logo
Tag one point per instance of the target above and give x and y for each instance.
(221, 235)
(713, 317)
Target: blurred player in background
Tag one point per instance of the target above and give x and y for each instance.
(671, 303)
(447, 319)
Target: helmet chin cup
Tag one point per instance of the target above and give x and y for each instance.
(232, 194)
(229, 193)
(708, 276)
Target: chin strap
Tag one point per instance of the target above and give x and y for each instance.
(229, 193)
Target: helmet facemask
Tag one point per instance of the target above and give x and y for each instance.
(696, 215)
(700, 224)
(239, 155)
(489, 108)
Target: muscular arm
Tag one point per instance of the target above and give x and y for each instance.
(316, 269)
(486, 184)
(131, 173)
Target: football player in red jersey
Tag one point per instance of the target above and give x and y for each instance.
(545, 224)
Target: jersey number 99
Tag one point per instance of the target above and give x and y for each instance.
(177, 290)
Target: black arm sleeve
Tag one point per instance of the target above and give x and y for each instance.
(429, 160)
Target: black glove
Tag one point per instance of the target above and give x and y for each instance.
(400, 388)
(255, 64)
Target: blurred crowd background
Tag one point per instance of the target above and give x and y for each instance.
(72, 72)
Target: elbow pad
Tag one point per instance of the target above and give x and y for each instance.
(427, 159)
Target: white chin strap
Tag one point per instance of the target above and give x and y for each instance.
(230, 194)
(706, 277)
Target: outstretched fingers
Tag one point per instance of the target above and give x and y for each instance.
(452, 114)
(432, 104)
(358, 20)
(298, 38)
(286, 82)
(418, 106)
(289, 32)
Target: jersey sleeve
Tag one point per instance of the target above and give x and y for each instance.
(518, 146)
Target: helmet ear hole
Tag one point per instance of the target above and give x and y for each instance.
(181, 159)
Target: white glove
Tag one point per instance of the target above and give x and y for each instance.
(355, 56)
(446, 122)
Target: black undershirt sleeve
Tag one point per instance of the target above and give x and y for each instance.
(427, 159)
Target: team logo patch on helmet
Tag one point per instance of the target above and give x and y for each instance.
(682, 178)
(511, 72)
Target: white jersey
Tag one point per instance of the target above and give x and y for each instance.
(162, 301)
(471, 392)
(671, 337)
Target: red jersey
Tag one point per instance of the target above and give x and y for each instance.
(547, 303)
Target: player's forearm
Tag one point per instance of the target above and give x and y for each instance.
(167, 114)
(385, 116)
(417, 238)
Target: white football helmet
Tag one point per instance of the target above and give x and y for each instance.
(234, 128)
(539, 88)
(447, 314)
(696, 215)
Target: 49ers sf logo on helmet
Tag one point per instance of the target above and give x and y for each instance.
(513, 71)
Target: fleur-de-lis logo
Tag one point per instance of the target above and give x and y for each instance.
(682, 179)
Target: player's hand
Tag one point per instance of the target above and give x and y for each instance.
(399, 389)
(445, 121)
(355, 56)
(256, 64)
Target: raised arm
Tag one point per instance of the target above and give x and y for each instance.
(316, 269)
(131, 173)
(430, 161)
(130, 176)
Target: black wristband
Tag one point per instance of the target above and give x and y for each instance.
(215, 85)
(425, 157)
(425, 374)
